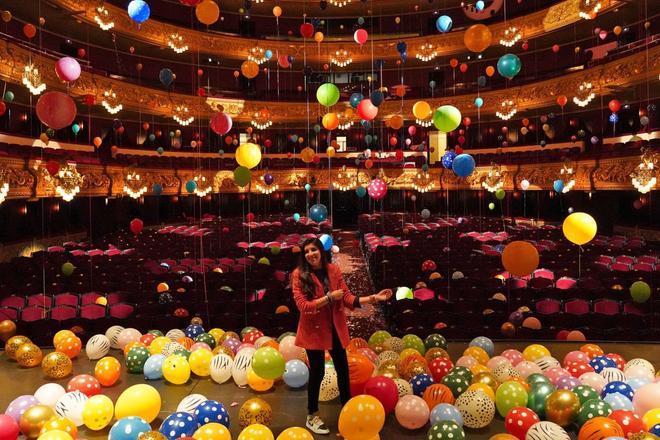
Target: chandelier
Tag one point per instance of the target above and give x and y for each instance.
(67, 182)
(257, 54)
(261, 119)
(495, 178)
(584, 95)
(339, 3)
(507, 110)
(341, 58)
(265, 188)
(110, 102)
(32, 80)
(422, 182)
(182, 115)
(424, 122)
(344, 181)
(203, 187)
(426, 52)
(102, 18)
(134, 186)
(589, 9)
(511, 36)
(567, 175)
(643, 177)
(176, 43)
(4, 184)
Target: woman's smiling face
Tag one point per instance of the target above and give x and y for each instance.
(313, 255)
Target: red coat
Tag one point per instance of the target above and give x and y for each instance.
(315, 325)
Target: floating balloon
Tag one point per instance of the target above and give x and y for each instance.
(360, 36)
(207, 12)
(318, 213)
(579, 228)
(327, 94)
(509, 65)
(520, 258)
(355, 99)
(67, 69)
(446, 118)
(248, 155)
(443, 23)
(56, 110)
(139, 11)
(477, 38)
(166, 77)
(249, 69)
(367, 110)
(421, 110)
(463, 165)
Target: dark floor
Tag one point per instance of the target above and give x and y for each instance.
(289, 407)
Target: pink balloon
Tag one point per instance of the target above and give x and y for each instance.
(408, 141)
(575, 356)
(361, 36)
(366, 110)
(514, 356)
(496, 361)
(466, 361)
(8, 427)
(127, 336)
(555, 373)
(412, 130)
(290, 350)
(221, 123)
(384, 389)
(56, 110)
(646, 398)
(602, 34)
(412, 412)
(525, 368)
(198, 345)
(594, 380)
(67, 69)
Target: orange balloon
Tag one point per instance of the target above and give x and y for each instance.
(503, 437)
(70, 346)
(186, 342)
(600, 427)
(97, 141)
(490, 71)
(107, 371)
(207, 12)
(592, 350)
(478, 353)
(477, 38)
(29, 30)
(330, 121)
(438, 393)
(520, 258)
(356, 344)
(61, 336)
(318, 37)
(368, 164)
(133, 344)
(249, 69)
(307, 155)
(277, 11)
(421, 110)
(396, 122)
(453, 63)
(484, 389)
(359, 368)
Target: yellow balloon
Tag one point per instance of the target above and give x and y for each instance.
(258, 383)
(176, 369)
(55, 435)
(483, 388)
(140, 400)
(534, 352)
(477, 38)
(60, 424)
(157, 345)
(34, 418)
(407, 352)
(61, 336)
(207, 12)
(212, 431)
(295, 433)
(579, 228)
(318, 36)
(217, 334)
(256, 432)
(277, 11)
(478, 368)
(478, 353)
(200, 362)
(331, 152)
(97, 412)
(248, 155)
(421, 110)
(652, 417)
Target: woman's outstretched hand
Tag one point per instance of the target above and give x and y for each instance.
(383, 295)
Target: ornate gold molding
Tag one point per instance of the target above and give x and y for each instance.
(28, 179)
(232, 47)
(623, 71)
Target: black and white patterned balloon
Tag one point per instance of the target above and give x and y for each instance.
(613, 374)
(190, 403)
(113, 335)
(221, 366)
(547, 362)
(242, 363)
(71, 406)
(97, 347)
(476, 408)
(175, 334)
(546, 431)
(403, 387)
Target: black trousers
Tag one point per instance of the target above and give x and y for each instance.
(317, 371)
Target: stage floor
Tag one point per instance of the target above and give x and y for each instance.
(289, 406)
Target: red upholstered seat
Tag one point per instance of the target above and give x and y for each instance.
(62, 313)
(576, 307)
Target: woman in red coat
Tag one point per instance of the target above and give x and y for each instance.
(322, 297)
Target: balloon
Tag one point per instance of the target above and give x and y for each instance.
(107, 371)
(421, 110)
(128, 428)
(360, 36)
(242, 176)
(579, 228)
(318, 213)
(56, 365)
(519, 420)
(139, 11)
(166, 77)
(140, 401)
(509, 65)
(97, 412)
(71, 406)
(477, 38)
(446, 118)
(640, 291)
(463, 165)
(33, 419)
(600, 427)
(277, 11)
(561, 407)
(510, 394)
(546, 431)
(249, 69)
(562, 100)
(478, 101)
(56, 110)
(29, 355)
(178, 424)
(558, 185)
(207, 12)
(330, 121)
(367, 110)
(646, 398)
(446, 430)
(255, 410)
(29, 30)
(443, 23)
(476, 408)
(355, 99)
(67, 69)
(248, 155)
(520, 258)
(377, 189)
(327, 94)
(614, 105)
(268, 363)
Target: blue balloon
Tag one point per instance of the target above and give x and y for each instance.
(355, 99)
(160, 150)
(128, 428)
(614, 118)
(404, 56)
(365, 124)
(75, 128)
(178, 424)
(444, 23)
(212, 411)
(157, 189)
(480, 5)
(445, 411)
(558, 186)
(166, 77)
(296, 217)
(485, 343)
(368, 139)
(478, 101)
(360, 21)
(152, 137)
(500, 248)
(599, 363)
(361, 191)
(191, 186)
(617, 387)
(326, 240)
(308, 187)
(139, 11)
(317, 128)
(463, 165)
(377, 97)
(420, 383)
(481, 81)
(153, 368)
(432, 84)
(401, 47)
(268, 54)
(296, 373)
(318, 213)
(637, 382)
(618, 401)
(655, 429)
(193, 330)
(509, 65)
(294, 138)
(448, 159)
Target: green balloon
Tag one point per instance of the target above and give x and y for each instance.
(446, 118)
(538, 395)
(136, 358)
(9, 96)
(457, 384)
(537, 378)
(415, 342)
(327, 94)
(242, 176)
(378, 337)
(585, 393)
(275, 250)
(435, 340)
(268, 363)
(68, 268)
(207, 339)
(156, 333)
(182, 352)
(463, 372)
(446, 430)
(509, 395)
(500, 194)
(491, 206)
(593, 408)
(284, 335)
(640, 291)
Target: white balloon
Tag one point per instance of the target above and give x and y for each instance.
(175, 334)
(113, 334)
(97, 347)
(221, 367)
(190, 403)
(242, 363)
(71, 406)
(524, 184)
(48, 394)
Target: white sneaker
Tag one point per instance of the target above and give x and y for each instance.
(316, 425)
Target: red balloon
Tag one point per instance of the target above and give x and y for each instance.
(283, 61)
(147, 338)
(361, 36)
(81, 52)
(620, 361)
(90, 99)
(136, 226)
(249, 217)
(52, 167)
(555, 48)
(29, 30)
(461, 140)
(8, 427)
(577, 369)
(439, 368)
(463, 68)
(86, 384)
(384, 389)
(56, 109)
(306, 30)
(614, 105)
(467, 121)
(562, 100)
(268, 143)
(458, 150)
(221, 123)
(630, 422)
(412, 130)
(398, 155)
(518, 421)
(366, 109)
(190, 2)
(393, 141)
(3, 108)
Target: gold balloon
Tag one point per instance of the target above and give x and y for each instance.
(7, 329)
(503, 437)
(151, 435)
(307, 155)
(436, 352)
(228, 335)
(378, 348)
(222, 349)
(413, 369)
(643, 436)
(486, 379)
(29, 355)
(56, 365)
(253, 411)
(34, 418)
(562, 407)
(196, 321)
(389, 369)
(6, 16)
(12, 345)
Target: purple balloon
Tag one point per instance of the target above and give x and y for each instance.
(516, 317)
(19, 405)
(567, 383)
(268, 178)
(232, 344)
(67, 69)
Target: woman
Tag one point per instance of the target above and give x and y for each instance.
(322, 296)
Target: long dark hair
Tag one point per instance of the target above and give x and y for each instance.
(306, 280)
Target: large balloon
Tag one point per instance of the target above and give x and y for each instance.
(421, 110)
(248, 155)
(446, 118)
(443, 23)
(366, 110)
(249, 69)
(318, 213)
(477, 38)
(139, 400)
(242, 176)
(327, 94)
(509, 65)
(207, 12)
(362, 417)
(67, 69)
(463, 165)
(520, 258)
(56, 109)
(579, 228)
(221, 123)
(139, 11)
